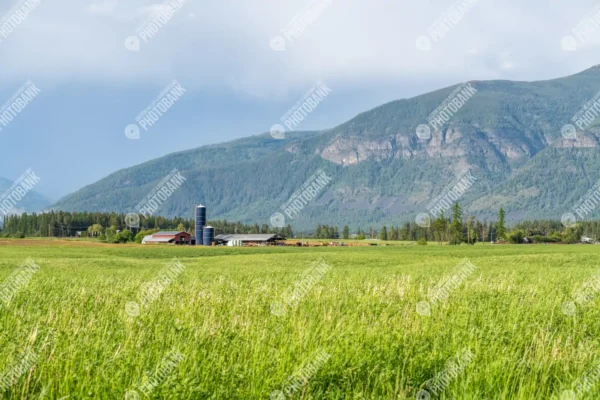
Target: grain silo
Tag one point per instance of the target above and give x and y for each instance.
(209, 236)
(200, 222)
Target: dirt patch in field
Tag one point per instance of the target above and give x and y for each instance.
(54, 242)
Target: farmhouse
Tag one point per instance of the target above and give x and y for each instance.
(168, 237)
(250, 240)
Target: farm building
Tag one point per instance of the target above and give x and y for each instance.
(250, 240)
(168, 237)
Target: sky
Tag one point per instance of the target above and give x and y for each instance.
(241, 68)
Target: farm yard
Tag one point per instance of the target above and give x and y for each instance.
(100, 321)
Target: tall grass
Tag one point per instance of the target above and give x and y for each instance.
(362, 313)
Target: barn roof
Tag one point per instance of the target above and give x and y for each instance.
(168, 233)
(151, 239)
(250, 237)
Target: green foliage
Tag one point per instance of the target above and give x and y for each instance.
(573, 234)
(516, 236)
(422, 241)
(440, 225)
(456, 227)
(110, 234)
(326, 232)
(501, 225)
(383, 235)
(124, 236)
(546, 239)
(95, 230)
(346, 232)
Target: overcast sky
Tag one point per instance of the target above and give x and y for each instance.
(92, 86)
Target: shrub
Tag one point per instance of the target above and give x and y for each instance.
(124, 236)
(545, 239)
(422, 241)
(516, 236)
(142, 234)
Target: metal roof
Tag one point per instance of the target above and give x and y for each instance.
(150, 239)
(250, 237)
(168, 233)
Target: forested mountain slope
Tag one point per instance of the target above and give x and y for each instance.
(508, 135)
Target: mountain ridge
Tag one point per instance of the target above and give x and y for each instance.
(32, 202)
(382, 172)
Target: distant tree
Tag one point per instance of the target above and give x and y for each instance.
(471, 233)
(361, 236)
(318, 233)
(383, 235)
(95, 230)
(124, 236)
(573, 234)
(346, 233)
(180, 228)
(500, 227)
(405, 232)
(480, 230)
(422, 241)
(288, 233)
(456, 227)
(516, 236)
(394, 233)
(440, 224)
(110, 234)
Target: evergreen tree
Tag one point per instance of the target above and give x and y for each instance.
(405, 232)
(394, 233)
(500, 227)
(383, 235)
(440, 224)
(456, 227)
(288, 233)
(346, 233)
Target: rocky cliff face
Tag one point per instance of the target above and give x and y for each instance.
(448, 143)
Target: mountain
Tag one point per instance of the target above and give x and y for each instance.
(508, 135)
(32, 202)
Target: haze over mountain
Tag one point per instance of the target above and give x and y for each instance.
(508, 135)
(32, 202)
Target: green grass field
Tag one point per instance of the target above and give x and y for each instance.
(354, 333)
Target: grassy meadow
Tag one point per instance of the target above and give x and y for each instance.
(72, 319)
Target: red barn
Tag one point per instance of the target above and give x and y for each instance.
(168, 237)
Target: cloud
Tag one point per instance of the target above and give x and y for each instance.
(103, 8)
(226, 43)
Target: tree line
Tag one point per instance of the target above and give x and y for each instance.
(455, 229)
(113, 227)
